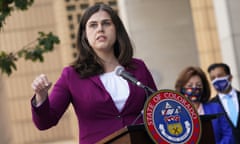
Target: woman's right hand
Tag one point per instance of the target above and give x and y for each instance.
(41, 86)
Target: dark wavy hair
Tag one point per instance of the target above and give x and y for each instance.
(225, 67)
(189, 72)
(87, 62)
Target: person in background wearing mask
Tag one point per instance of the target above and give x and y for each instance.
(192, 83)
(227, 96)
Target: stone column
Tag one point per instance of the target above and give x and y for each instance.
(163, 36)
(228, 21)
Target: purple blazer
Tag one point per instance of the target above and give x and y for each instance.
(95, 110)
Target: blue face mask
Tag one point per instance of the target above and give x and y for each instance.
(221, 84)
(193, 94)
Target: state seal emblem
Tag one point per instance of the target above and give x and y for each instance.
(169, 117)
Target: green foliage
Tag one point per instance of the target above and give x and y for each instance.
(7, 62)
(33, 51)
(8, 6)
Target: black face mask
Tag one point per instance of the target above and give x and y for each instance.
(193, 94)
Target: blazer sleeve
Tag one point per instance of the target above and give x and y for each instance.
(52, 109)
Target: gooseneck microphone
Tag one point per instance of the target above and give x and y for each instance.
(120, 71)
(127, 76)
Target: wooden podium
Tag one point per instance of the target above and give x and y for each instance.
(137, 134)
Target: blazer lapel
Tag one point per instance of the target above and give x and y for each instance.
(225, 113)
(98, 82)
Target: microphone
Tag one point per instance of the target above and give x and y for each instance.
(119, 70)
(127, 76)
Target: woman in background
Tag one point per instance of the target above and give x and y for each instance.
(192, 83)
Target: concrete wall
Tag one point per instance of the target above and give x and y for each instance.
(5, 135)
(20, 29)
(163, 34)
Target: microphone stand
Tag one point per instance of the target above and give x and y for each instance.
(147, 90)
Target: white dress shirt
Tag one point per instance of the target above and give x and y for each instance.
(233, 93)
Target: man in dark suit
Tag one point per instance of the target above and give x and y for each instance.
(227, 96)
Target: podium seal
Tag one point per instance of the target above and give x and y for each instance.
(169, 117)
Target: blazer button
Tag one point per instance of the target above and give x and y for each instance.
(119, 116)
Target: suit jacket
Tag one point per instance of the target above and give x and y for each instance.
(236, 130)
(221, 128)
(95, 110)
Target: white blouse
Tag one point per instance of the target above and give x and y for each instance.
(117, 87)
